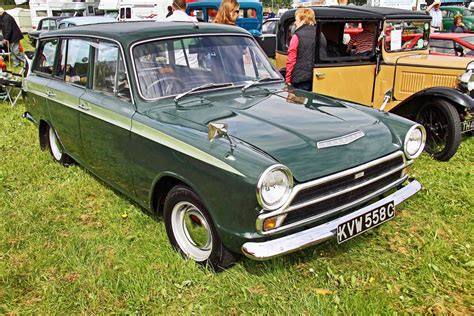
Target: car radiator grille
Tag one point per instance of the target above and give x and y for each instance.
(340, 192)
(342, 199)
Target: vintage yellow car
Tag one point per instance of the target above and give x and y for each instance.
(397, 74)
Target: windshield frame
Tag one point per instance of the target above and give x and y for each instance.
(406, 50)
(135, 69)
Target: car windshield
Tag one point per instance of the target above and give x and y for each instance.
(466, 12)
(170, 67)
(406, 35)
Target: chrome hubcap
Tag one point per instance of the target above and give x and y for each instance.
(54, 145)
(191, 231)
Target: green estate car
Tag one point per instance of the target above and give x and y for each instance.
(191, 121)
(448, 17)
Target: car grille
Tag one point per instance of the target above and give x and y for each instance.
(341, 192)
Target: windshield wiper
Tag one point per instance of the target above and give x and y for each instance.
(202, 87)
(260, 81)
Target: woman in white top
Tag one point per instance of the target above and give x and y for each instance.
(179, 13)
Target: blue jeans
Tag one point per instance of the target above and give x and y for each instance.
(16, 56)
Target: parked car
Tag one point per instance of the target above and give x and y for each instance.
(452, 44)
(85, 20)
(250, 13)
(395, 74)
(195, 123)
(450, 11)
(267, 40)
(45, 24)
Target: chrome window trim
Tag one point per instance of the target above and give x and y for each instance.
(176, 37)
(122, 51)
(296, 189)
(335, 210)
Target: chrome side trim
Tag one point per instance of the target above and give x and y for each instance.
(294, 242)
(284, 208)
(335, 210)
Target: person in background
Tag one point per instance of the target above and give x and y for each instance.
(228, 12)
(170, 11)
(299, 67)
(12, 35)
(342, 2)
(364, 41)
(458, 25)
(436, 16)
(179, 13)
(271, 14)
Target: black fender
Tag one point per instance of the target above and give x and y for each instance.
(460, 100)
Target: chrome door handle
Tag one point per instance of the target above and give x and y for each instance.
(84, 107)
(50, 94)
(319, 75)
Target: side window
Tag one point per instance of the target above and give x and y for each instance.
(128, 13)
(109, 71)
(442, 46)
(77, 61)
(44, 60)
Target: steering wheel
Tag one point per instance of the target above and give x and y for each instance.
(166, 86)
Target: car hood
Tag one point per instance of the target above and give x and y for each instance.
(434, 61)
(289, 131)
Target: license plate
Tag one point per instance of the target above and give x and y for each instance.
(366, 221)
(467, 126)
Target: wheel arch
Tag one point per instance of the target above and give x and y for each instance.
(409, 108)
(43, 134)
(162, 185)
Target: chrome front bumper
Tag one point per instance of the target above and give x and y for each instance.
(294, 242)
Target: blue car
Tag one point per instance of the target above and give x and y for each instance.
(250, 15)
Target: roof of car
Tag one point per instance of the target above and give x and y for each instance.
(83, 20)
(352, 12)
(130, 32)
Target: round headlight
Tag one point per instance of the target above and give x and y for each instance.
(274, 187)
(415, 141)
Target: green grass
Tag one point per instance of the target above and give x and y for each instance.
(69, 244)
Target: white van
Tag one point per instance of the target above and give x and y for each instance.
(22, 18)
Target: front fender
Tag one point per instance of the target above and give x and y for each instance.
(459, 99)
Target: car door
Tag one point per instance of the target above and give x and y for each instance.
(42, 70)
(64, 91)
(105, 118)
(340, 71)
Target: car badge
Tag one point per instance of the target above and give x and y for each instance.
(359, 175)
(340, 141)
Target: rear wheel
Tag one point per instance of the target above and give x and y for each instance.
(443, 128)
(56, 148)
(190, 230)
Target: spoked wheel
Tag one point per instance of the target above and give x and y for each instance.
(191, 232)
(56, 148)
(443, 128)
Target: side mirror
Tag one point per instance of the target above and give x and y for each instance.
(216, 130)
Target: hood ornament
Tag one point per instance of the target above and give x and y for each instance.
(340, 141)
(219, 130)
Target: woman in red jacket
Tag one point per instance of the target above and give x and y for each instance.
(299, 67)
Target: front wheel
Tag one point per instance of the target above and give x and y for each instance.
(443, 128)
(190, 230)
